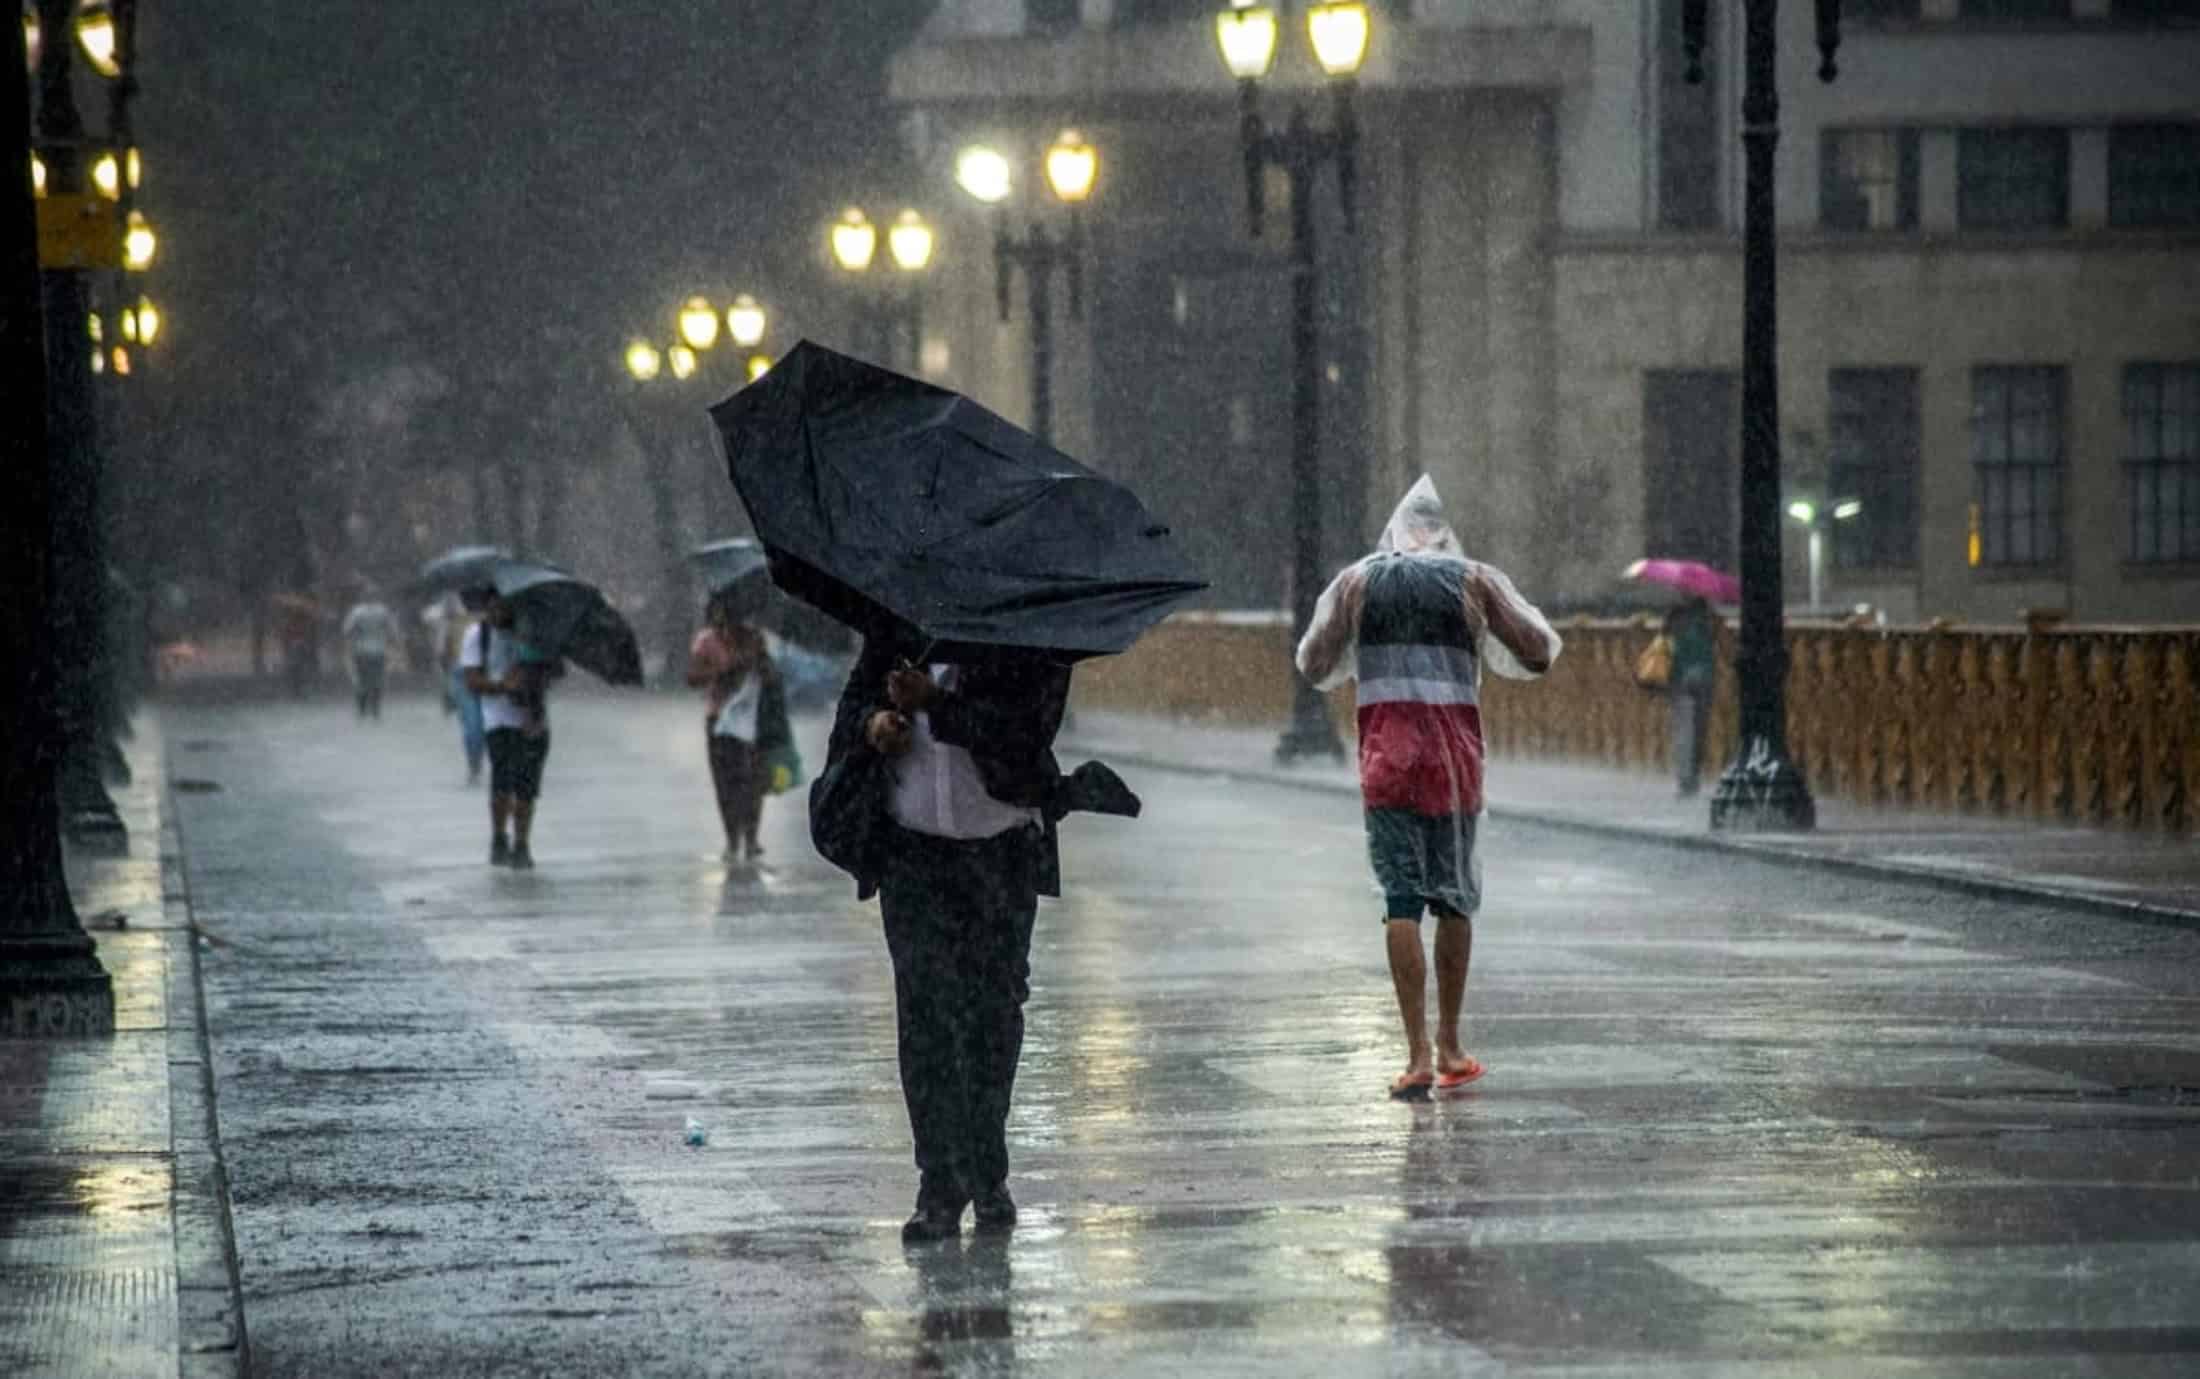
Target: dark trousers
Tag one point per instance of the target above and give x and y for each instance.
(958, 924)
(367, 674)
(737, 774)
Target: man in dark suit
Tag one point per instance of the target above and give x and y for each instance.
(941, 793)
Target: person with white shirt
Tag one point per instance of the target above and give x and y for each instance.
(510, 683)
(367, 630)
(958, 841)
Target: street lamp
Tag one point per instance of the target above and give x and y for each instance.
(642, 360)
(1246, 35)
(745, 322)
(139, 243)
(1762, 789)
(1071, 166)
(699, 324)
(885, 312)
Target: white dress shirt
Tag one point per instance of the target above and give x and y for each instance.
(937, 788)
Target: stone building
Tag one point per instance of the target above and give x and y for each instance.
(1989, 291)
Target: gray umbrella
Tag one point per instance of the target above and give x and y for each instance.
(459, 569)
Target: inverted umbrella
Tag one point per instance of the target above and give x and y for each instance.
(736, 571)
(561, 616)
(899, 507)
(1690, 577)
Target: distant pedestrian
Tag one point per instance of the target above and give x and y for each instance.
(1416, 622)
(744, 722)
(367, 630)
(1692, 632)
(512, 684)
(450, 621)
(298, 630)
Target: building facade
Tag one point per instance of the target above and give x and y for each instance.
(1989, 288)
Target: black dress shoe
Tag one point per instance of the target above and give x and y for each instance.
(932, 1221)
(995, 1210)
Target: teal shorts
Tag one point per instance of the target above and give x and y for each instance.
(1424, 862)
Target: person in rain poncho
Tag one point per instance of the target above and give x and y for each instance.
(1414, 623)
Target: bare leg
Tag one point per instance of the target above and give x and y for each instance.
(1454, 949)
(1409, 973)
(523, 821)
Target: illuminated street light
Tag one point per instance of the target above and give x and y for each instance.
(139, 243)
(758, 366)
(698, 324)
(745, 321)
(854, 239)
(148, 321)
(38, 175)
(682, 360)
(107, 176)
(133, 169)
(1072, 167)
(1339, 35)
(122, 361)
(95, 34)
(1803, 512)
(910, 242)
(95, 327)
(1246, 33)
(1847, 510)
(642, 360)
(985, 174)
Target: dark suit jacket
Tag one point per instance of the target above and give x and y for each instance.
(1004, 713)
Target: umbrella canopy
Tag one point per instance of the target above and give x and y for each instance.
(901, 508)
(1690, 577)
(737, 568)
(558, 615)
(459, 569)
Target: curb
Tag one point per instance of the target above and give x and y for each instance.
(2135, 911)
(212, 1342)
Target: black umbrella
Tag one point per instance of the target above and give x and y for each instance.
(560, 616)
(901, 508)
(458, 570)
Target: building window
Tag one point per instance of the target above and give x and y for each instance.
(2017, 458)
(1691, 436)
(2154, 174)
(1873, 458)
(1867, 179)
(1688, 128)
(2015, 9)
(2156, 11)
(2162, 460)
(2013, 179)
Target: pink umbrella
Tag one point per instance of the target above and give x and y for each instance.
(1690, 577)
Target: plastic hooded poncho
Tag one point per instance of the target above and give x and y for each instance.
(1414, 623)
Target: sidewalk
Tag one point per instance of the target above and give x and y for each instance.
(115, 1244)
(2133, 875)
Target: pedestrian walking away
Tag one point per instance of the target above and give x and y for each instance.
(512, 683)
(1693, 633)
(367, 629)
(745, 726)
(1415, 623)
(451, 619)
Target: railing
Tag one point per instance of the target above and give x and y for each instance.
(2090, 725)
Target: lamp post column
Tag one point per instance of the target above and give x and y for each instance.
(51, 980)
(1311, 733)
(1039, 270)
(79, 623)
(1761, 789)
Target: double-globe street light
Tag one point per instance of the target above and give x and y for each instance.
(885, 312)
(1246, 33)
(1072, 167)
(696, 337)
(1762, 788)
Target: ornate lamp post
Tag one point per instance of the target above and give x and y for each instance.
(1072, 167)
(51, 980)
(885, 313)
(1762, 789)
(1246, 34)
(698, 327)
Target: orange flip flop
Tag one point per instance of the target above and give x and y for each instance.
(1411, 1086)
(1460, 1077)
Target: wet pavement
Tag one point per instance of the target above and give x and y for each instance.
(1742, 1119)
(114, 1252)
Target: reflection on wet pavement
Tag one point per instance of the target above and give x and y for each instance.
(1740, 1120)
